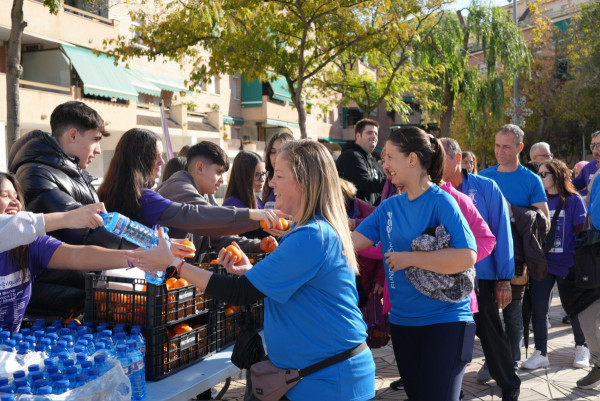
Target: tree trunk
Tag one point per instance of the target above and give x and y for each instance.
(446, 117)
(14, 70)
(302, 119)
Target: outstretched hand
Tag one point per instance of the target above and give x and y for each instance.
(227, 259)
(157, 258)
(85, 217)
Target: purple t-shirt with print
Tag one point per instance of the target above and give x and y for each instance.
(560, 257)
(15, 292)
(153, 206)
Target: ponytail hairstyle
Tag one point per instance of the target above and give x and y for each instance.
(19, 254)
(429, 149)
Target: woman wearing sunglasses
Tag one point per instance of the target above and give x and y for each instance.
(561, 194)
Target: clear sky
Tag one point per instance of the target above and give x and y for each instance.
(465, 3)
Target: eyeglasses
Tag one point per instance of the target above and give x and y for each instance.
(594, 146)
(544, 174)
(258, 176)
(546, 156)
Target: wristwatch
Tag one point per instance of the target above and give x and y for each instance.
(173, 270)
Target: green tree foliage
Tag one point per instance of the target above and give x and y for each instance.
(382, 70)
(294, 39)
(490, 32)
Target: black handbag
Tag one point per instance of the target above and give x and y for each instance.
(587, 259)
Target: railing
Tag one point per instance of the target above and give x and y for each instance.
(45, 87)
(88, 15)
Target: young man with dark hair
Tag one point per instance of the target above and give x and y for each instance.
(357, 165)
(51, 171)
(206, 164)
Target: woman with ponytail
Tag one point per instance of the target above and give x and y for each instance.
(432, 339)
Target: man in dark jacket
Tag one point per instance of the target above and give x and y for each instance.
(51, 170)
(357, 165)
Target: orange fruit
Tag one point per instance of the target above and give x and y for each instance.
(181, 283)
(214, 262)
(171, 283)
(229, 310)
(182, 328)
(282, 225)
(235, 252)
(268, 244)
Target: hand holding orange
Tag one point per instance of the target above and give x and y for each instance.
(268, 244)
(235, 252)
(282, 225)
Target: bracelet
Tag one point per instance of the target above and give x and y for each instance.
(178, 268)
(175, 268)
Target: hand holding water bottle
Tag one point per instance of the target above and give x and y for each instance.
(157, 258)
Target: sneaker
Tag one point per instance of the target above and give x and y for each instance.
(397, 384)
(511, 395)
(566, 319)
(535, 361)
(483, 376)
(591, 380)
(582, 357)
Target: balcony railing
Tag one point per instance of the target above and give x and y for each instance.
(88, 15)
(44, 87)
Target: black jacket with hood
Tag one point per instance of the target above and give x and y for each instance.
(361, 169)
(52, 181)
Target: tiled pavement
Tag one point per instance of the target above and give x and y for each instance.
(556, 382)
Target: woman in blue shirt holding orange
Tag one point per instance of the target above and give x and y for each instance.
(433, 339)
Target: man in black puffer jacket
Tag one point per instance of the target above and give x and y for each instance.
(357, 165)
(51, 171)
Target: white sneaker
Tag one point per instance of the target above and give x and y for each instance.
(536, 361)
(582, 357)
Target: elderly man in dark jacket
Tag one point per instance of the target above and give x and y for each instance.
(51, 171)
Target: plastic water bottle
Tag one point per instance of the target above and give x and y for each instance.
(4, 335)
(136, 233)
(6, 389)
(35, 368)
(136, 334)
(123, 357)
(38, 384)
(3, 381)
(106, 337)
(37, 380)
(93, 374)
(23, 390)
(7, 397)
(62, 357)
(80, 379)
(8, 346)
(100, 363)
(62, 386)
(138, 372)
(50, 371)
(18, 338)
(86, 366)
(19, 383)
(70, 375)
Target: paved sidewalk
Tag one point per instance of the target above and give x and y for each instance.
(556, 382)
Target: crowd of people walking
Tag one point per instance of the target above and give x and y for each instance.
(448, 251)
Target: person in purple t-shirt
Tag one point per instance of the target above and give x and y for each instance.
(555, 177)
(583, 179)
(271, 151)
(19, 266)
(247, 178)
(133, 171)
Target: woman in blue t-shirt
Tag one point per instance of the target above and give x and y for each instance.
(555, 177)
(311, 310)
(432, 339)
(246, 180)
(20, 266)
(133, 171)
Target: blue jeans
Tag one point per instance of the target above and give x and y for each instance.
(540, 294)
(513, 322)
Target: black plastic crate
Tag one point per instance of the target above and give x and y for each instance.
(228, 323)
(134, 302)
(168, 352)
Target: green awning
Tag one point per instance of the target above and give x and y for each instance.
(166, 83)
(100, 75)
(280, 88)
(142, 85)
(563, 25)
(279, 123)
(233, 120)
(251, 93)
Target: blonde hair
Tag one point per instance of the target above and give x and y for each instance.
(312, 164)
(348, 190)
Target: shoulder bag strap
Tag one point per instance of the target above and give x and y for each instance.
(332, 360)
(549, 241)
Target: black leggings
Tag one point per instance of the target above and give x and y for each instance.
(432, 359)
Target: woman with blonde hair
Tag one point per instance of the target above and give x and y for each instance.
(308, 282)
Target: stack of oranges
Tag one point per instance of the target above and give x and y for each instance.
(173, 283)
(282, 225)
